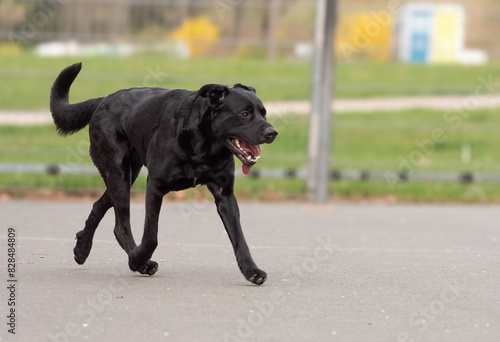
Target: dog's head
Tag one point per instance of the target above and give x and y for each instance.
(239, 118)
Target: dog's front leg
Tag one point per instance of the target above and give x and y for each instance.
(228, 210)
(139, 256)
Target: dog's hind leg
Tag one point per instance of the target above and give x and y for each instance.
(85, 236)
(139, 257)
(118, 185)
(99, 209)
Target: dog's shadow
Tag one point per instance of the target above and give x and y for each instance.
(167, 275)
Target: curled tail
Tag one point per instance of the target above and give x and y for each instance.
(70, 118)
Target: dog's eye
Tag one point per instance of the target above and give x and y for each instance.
(245, 114)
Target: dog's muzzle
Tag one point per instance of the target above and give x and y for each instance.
(270, 134)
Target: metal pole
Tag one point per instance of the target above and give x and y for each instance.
(319, 131)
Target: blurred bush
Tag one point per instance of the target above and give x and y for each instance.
(364, 36)
(198, 33)
(7, 49)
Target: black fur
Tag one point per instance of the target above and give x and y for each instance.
(59, 106)
(184, 138)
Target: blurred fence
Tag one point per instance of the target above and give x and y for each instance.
(260, 28)
(237, 26)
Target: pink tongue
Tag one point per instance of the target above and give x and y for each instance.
(246, 169)
(254, 149)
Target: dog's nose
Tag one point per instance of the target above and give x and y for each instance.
(270, 134)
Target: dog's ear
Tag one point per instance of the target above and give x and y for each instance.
(214, 92)
(239, 85)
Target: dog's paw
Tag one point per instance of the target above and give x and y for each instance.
(82, 248)
(256, 276)
(149, 268)
(252, 273)
(79, 258)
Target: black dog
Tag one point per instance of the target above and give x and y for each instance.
(184, 138)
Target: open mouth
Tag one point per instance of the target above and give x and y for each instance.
(247, 153)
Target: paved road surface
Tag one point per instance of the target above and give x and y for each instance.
(339, 272)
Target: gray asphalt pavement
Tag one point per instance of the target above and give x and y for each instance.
(338, 272)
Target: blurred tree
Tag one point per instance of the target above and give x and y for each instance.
(144, 18)
(183, 11)
(297, 22)
(239, 11)
(77, 21)
(119, 21)
(10, 14)
(38, 19)
(269, 27)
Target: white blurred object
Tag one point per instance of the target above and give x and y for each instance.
(73, 48)
(124, 50)
(303, 50)
(182, 50)
(58, 49)
(473, 57)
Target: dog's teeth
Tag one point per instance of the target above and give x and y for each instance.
(252, 158)
(237, 143)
